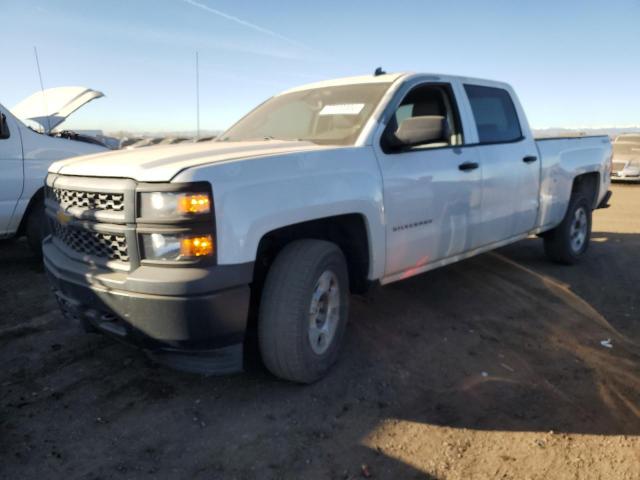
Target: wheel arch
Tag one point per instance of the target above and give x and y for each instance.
(349, 231)
(35, 198)
(587, 184)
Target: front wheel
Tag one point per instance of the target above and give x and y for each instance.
(568, 242)
(303, 310)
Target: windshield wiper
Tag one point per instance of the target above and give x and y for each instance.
(265, 138)
(311, 140)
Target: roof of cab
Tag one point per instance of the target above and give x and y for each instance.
(389, 78)
(362, 79)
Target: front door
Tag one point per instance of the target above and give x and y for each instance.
(432, 192)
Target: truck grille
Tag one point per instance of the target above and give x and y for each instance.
(92, 200)
(106, 245)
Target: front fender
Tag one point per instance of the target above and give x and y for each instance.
(257, 195)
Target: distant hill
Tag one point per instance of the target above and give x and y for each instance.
(538, 132)
(581, 132)
(164, 133)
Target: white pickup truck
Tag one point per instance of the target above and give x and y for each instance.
(316, 193)
(25, 156)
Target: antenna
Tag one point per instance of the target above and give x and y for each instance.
(44, 99)
(197, 97)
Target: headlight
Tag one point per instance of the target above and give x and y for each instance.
(165, 205)
(176, 246)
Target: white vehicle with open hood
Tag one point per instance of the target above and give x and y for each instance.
(318, 192)
(27, 151)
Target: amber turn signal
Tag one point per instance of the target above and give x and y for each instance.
(196, 246)
(194, 203)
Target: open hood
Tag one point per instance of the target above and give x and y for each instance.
(51, 107)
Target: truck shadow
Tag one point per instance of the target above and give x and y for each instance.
(504, 342)
(491, 344)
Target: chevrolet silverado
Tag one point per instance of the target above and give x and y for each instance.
(317, 193)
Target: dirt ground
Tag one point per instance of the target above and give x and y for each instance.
(488, 369)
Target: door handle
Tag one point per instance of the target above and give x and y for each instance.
(529, 159)
(468, 166)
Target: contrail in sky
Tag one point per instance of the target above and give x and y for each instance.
(244, 23)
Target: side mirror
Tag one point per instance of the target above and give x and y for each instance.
(4, 126)
(420, 130)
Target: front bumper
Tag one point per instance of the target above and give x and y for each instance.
(189, 318)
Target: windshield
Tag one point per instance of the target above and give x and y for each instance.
(330, 115)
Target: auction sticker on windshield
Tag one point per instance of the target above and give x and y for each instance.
(342, 109)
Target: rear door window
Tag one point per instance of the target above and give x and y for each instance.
(494, 113)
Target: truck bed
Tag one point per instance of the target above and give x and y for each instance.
(562, 158)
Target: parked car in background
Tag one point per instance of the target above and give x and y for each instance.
(27, 152)
(316, 193)
(626, 157)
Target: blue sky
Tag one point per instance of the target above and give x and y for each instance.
(573, 63)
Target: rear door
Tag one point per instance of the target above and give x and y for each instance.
(11, 171)
(510, 163)
(432, 204)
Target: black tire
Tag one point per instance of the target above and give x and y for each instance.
(558, 243)
(36, 227)
(284, 330)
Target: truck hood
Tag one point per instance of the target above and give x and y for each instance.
(50, 107)
(162, 163)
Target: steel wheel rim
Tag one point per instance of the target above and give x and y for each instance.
(324, 312)
(578, 230)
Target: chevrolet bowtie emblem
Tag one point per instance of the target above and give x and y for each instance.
(63, 217)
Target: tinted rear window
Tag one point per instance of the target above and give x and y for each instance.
(494, 114)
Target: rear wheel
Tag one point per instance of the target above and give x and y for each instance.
(303, 310)
(569, 241)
